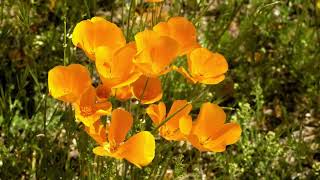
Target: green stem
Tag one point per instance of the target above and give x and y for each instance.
(171, 116)
(145, 20)
(141, 26)
(316, 20)
(1, 18)
(87, 7)
(45, 116)
(124, 173)
(112, 12)
(122, 12)
(228, 108)
(65, 39)
(129, 17)
(159, 16)
(153, 14)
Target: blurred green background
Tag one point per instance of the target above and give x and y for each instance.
(272, 89)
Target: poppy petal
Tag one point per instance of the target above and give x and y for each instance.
(213, 80)
(138, 149)
(209, 121)
(122, 64)
(194, 140)
(217, 148)
(103, 61)
(88, 109)
(82, 37)
(147, 90)
(121, 122)
(98, 132)
(86, 120)
(103, 108)
(91, 34)
(123, 93)
(182, 71)
(100, 151)
(155, 53)
(176, 106)
(185, 124)
(107, 34)
(68, 83)
(87, 101)
(181, 30)
(205, 64)
(228, 134)
(157, 113)
(117, 70)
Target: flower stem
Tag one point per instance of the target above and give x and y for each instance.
(65, 39)
(129, 17)
(124, 173)
(171, 116)
(87, 8)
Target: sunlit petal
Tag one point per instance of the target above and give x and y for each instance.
(182, 71)
(100, 151)
(181, 30)
(97, 131)
(123, 93)
(157, 113)
(185, 124)
(155, 53)
(68, 83)
(121, 122)
(139, 149)
(179, 109)
(209, 121)
(91, 34)
(147, 90)
(228, 134)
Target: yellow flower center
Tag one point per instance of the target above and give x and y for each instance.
(204, 140)
(167, 132)
(86, 110)
(110, 147)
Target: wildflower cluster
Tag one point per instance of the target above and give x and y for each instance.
(132, 70)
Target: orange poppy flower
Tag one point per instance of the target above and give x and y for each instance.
(205, 67)
(181, 30)
(147, 90)
(97, 131)
(155, 53)
(88, 109)
(68, 83)
(117, 69)
(138, 149)
(123, 93)
(92, 33)
(209, 133)
(180, 124)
